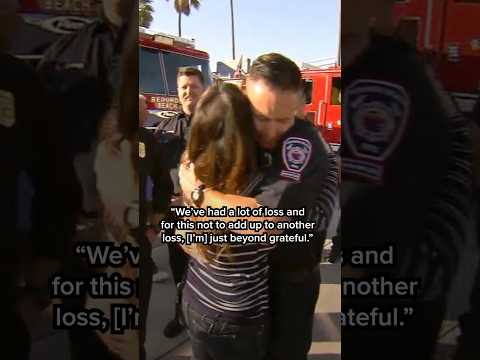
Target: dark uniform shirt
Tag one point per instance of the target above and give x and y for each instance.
(301, 174)
(38, 192)
(81, 71)
(406, 163)
(476, 112)
(172, 136)
(152, 158)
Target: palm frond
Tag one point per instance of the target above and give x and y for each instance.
(184, 6)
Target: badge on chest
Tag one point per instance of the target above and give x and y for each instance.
(7, 109)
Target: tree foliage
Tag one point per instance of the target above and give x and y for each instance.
(145, 13)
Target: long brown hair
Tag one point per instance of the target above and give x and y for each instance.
(222, 146)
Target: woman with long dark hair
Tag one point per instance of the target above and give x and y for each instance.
(225, 298)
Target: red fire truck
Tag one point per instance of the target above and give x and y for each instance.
(323, 102)
(159, 58)
(448, 32)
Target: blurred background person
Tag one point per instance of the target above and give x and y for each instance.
(468, 347)
(393, 106)
(81, 71)
(37, 189)
(158, 187)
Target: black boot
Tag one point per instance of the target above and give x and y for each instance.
(175, 326)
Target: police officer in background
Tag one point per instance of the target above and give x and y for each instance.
(155, 186)
(81, 71)
(37, 188)
(299, 172)
(406, 180)
(172, 134)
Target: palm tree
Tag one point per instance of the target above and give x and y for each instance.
(145, 13)
(183, 7)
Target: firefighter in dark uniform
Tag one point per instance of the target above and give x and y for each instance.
(151, 156)
(468, 347)
(406, 181)
(171, 135)
(151, 207)
(299, 172)
(37, 188)
(295, 275)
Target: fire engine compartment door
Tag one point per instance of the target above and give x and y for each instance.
(330, 108)
(333, 102)
(310, 109)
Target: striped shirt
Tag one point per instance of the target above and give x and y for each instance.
(324, 203)
(234, 285)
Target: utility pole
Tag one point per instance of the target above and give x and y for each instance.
(339, 54)
(233, 29)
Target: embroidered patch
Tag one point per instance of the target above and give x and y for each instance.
(290, 175)
(375, 118)
(296, 154)
(375, 115)
(7, 109)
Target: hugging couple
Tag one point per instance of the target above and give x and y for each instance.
(251, 149)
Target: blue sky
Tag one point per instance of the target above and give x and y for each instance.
(303, 30)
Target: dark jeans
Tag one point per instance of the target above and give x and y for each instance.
(217, 339)
(293, 299)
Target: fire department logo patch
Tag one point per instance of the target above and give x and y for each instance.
(7, 109)
(375, 117)
(296, 153)
(374, 120)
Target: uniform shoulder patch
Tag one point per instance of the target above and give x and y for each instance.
(375, 116)
(7, 109)
(296, 153)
